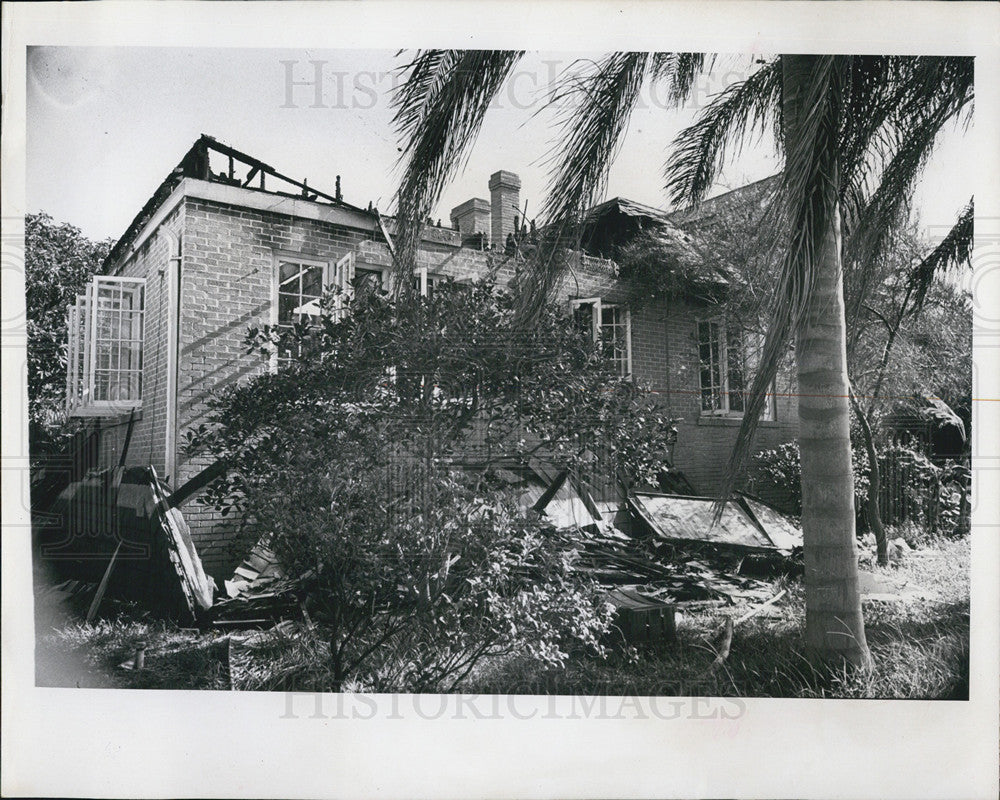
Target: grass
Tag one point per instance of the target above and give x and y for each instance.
(90, 656)
(920, 646)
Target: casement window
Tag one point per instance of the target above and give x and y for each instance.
(299, 284)
(610, 325)
(104, 353)
(727, 358)
(354, 278)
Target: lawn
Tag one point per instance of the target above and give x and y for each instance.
(920, 643)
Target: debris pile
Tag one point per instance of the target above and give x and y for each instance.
(124, 534)
(117, 531)
(259, 594)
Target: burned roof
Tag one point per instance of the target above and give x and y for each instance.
(609, 226)
(238, 169)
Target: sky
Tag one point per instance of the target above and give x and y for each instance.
(106, 125)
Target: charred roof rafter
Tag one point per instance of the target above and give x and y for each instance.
(197, 163)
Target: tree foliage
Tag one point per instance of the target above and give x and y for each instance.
(58, 262)
(378, 461)
(857, 132)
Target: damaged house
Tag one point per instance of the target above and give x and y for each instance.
(226, 242)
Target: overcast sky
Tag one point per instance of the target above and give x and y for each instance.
(106, 125)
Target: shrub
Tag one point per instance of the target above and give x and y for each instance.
(914, 489)
(372, 460)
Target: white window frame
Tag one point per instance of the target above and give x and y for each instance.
(769, 413)
(426, 278)
(596, 317)
(330, 273)
(82, 348)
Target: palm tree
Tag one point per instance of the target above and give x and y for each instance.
(856, 132)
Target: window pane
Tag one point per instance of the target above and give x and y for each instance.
(710, 369)
(288, 274)
(312, 282)
(286, 308)
(735, 375)
(583, 315)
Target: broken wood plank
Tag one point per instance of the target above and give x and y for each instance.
(102, 587)
(550, 492)
(196, 484)
(754, 611)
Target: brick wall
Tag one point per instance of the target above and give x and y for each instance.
(704, 443)
(229, 256)
(148, 442)
(228, 262)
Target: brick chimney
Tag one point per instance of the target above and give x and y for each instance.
(505, 200)
(471, 217)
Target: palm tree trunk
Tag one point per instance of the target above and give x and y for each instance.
(834, 625)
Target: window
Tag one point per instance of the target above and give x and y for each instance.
(104, 356)
(725, 363)
(355, 278)
(611, 327)
(368, 280)
(299, 285)
(423, 283)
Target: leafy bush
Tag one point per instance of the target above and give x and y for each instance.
(58, 262)
(373, 460)
(914, 489)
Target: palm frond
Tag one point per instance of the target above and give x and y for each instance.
(955, 249)
(440, 107)
(892, 119)
(417, 81)
(595, 117)
(593, 120)
(889, 203)
(680, 71)
(734, 116)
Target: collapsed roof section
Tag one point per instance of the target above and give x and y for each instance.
(605, 227)
(118, 523)
(235, 168)
(619, 226)
(610, 225)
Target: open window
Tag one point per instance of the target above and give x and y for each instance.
(104, 353)
(299, 286)
(610, 325)
(357, 277)
(727, 360)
